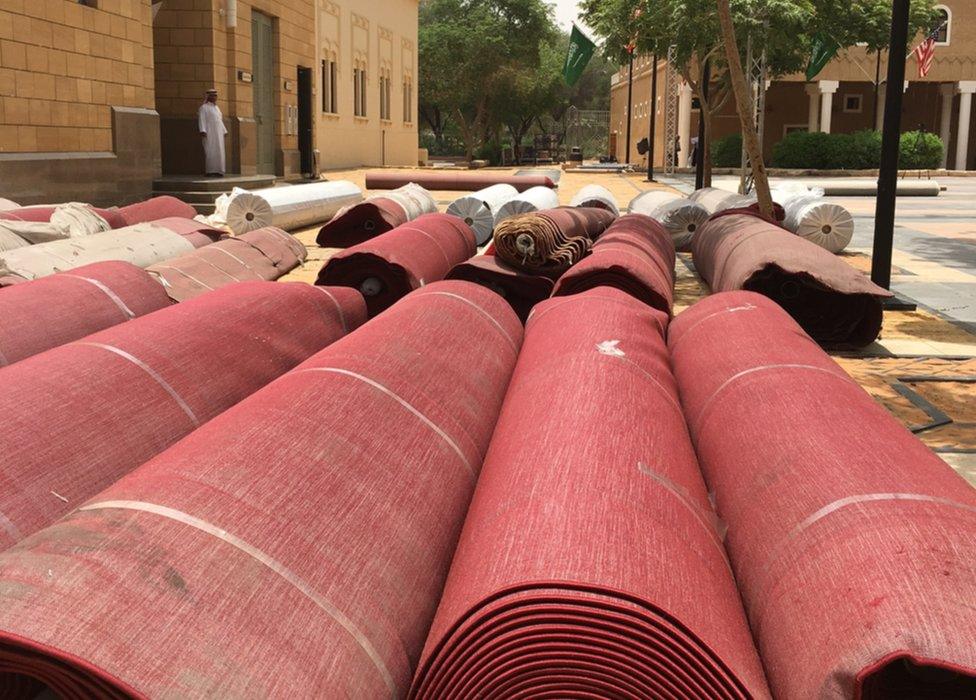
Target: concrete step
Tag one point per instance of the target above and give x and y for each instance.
(190, 197)
(193, 183)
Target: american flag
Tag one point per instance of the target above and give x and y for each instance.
(925, 52)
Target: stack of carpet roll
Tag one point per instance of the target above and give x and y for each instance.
(853, 544)
(410, 256)
(116, 398)
(287, 207)
(550, 242)
(636, 255)
(591, 563)
(141, 244)
(58, 309)
(836, 304)
(534, 199)
(809, 216)
(376, 215)
(71, 220)
(257, 558)
(478, 209)
(678, 214)
(597, 197)
(462, 180)
(263, 254)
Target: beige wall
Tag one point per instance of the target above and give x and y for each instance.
(380, 35)
(63, 66)
(196, 50)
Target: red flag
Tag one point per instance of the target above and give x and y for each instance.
(925, 52)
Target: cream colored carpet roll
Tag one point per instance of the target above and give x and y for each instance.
(478, 209)
(288, 207)
(534, 199)
(596, 196)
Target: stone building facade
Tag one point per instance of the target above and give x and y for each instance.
(99, 97)
(841, 99)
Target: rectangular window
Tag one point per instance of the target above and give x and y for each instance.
(328, 87)
(359, 89)
(407, 102)
(852, 104)
(385, 98)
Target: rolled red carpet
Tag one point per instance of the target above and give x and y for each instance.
(853, 544)
(55, 310)
(549, 242)
(835, 303)
(155, 208)
(520, 289)
(390, 266)
(375, 216)
(293, 547)
(112, 216)
(82, 415)
(591, 563)
(262, 254)
(635, 255)
(452, 180)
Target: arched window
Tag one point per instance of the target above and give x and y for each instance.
(945, 23)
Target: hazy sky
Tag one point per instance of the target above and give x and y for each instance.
(566, 12)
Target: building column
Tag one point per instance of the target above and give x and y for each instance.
(684, 123)
(827, 90)
(948, 92)
(966, 89)
(814, 94)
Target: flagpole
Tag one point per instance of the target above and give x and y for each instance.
(652, 129)
(884, 218)
(630, 104)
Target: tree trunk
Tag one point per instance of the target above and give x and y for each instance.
(746, 110)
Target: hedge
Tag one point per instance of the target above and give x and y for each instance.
(727, 152)
(858, 151)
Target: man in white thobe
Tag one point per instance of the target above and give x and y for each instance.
(212, 131)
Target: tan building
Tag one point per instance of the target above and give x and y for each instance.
(841, 99)
(99, 98)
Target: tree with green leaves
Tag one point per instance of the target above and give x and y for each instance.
(786, 30)
(473, 54)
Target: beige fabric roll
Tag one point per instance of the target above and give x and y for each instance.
(142, 245)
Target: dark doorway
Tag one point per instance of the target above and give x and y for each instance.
(262, 58)
(305, 147)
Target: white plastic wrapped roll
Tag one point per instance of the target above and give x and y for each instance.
(288, 207)
(828, 225)
(142, 245)
(10, 240)
(678, 214)
(596, 196)
(415, 200)
(478, 209)
(533, 199)
(715, 200)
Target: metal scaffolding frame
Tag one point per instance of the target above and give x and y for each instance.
(757, 74)
(671, 87)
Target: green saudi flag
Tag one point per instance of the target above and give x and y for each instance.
(822, 51)
(581, 49)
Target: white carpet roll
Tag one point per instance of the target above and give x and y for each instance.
(533, 199)
(288, 207)
(478, 209)
(678, 214)
(715, 200)
(596, 196)
(828, 225)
